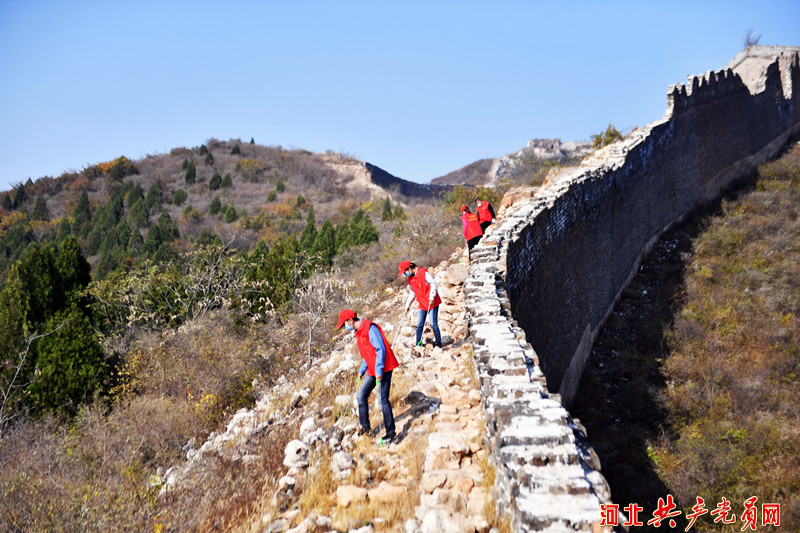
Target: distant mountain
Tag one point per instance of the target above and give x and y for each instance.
(517, 167)
(476, 173)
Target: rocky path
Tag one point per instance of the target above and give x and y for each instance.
(435, 478)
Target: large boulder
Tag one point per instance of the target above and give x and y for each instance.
(456, 274)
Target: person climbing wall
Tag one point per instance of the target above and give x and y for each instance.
(422, 287)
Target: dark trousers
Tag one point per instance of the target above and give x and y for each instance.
(471, 244)
(434, 324)
(386, 407)
(485, 224)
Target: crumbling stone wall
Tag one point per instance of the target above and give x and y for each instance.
(568, 266)
(380, 177)
(544, 279)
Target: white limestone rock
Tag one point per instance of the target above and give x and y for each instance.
(308, 425)
(296, 454)
(286, 483)
(342, 464)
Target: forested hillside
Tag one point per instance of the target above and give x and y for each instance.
(145, 301)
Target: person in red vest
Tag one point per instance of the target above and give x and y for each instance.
(485, 214)
(378, 364)
(472, 227)
(422, 287)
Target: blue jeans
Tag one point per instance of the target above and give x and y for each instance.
(434, 324)
(386, 407)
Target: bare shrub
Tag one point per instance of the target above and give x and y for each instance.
(207, 363)
(97, 475)
(225, 492)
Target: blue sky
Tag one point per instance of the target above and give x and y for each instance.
(417, 88)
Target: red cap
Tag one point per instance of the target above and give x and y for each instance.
(403, 266)
(344, 315)
(464, 208)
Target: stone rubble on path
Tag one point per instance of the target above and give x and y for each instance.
(443, 407)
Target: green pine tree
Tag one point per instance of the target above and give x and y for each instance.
(40, 211)
(227, 182)
(155, 196)
(215, 182)
(83, 211)
(215, 206)
(138, 215)
(13, 328)
(387, 210)
(169, 231)
(231, 215)
(325, 243)
(71, 365)
(236, 150)
(366, 232)
(135, 194)
(20, 196)
(123, 233)
(179, 196)
(164, 254)
(64, 230)
(74, 272)
(41, 284)
(191, 173)
(309, 234)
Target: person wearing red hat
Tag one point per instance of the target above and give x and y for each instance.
(472, 227)
(422, 287)
(485, 214)
(378, 364)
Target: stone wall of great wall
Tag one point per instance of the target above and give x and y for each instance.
(544, 278)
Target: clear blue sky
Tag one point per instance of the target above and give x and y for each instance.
(417, 88)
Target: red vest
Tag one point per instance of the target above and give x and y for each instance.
(473, 228)
(483, 212)
(422, 290)
(367, 350)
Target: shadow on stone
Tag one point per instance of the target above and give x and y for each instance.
(418, 404)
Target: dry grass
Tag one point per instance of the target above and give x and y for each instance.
(225, 494)
(734, 373)
(386, 516)
(494, 516)
(318, 487)
(94, 476)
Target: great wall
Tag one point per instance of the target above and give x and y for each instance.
(543, 279)
(521, 320)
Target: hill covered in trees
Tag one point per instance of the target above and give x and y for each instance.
(143, 302)
(153, 243)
